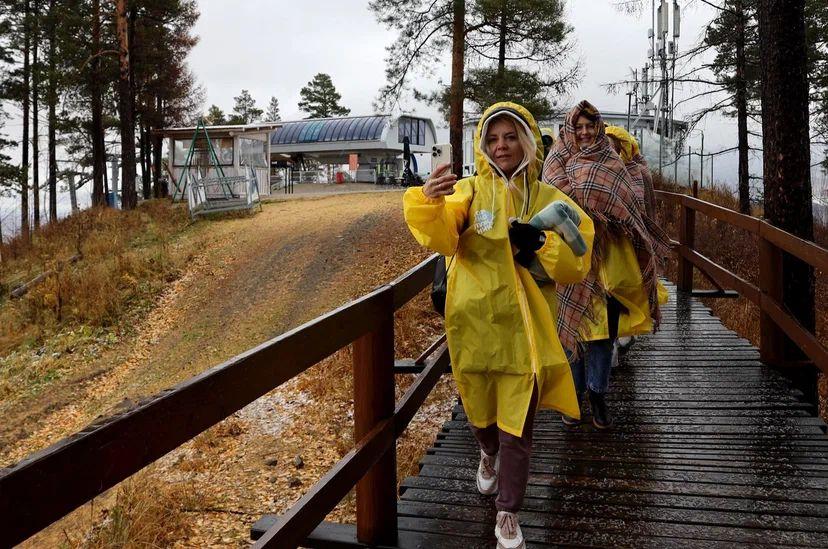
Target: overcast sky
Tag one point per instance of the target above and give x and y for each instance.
(275, 47)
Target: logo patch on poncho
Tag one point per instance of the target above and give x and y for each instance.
(483, 221)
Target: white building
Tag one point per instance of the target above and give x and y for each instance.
(236, 147)
(376, 140)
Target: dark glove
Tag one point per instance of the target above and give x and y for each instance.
(525, 236)
(524, 258)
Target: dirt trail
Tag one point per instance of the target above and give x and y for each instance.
(248, 280)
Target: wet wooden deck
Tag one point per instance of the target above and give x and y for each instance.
(710, 449)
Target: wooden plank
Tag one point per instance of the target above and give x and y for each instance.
(411, 283)
(674, 462)
(711, 294)
(416, 394)
(86, 464)
(630, 522)
(731, 217)
(661, 481)
(724, 277)
(794, 479)
(806, 341)
(687, 236)
(652, 507)
(471, 533)
(373, 361)
(652, 494)
(805, 250)
(330, 535)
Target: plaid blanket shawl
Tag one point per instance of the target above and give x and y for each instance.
(596, 178)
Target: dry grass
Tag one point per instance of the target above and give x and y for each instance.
(738, 251)
(125, 262)
(147, 513)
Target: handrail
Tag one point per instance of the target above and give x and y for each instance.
(804, 250)
(52, 482)
(776, 321)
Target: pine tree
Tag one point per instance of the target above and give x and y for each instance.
(530, 36)
(273, 110)
(214, 116)
(320, 98)
(785, 113)
(245, 110)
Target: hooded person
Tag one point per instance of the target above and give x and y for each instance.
(619, 296)
(548, 138)
(498, 318)
(627, 148)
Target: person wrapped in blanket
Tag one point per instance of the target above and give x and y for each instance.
(497, 316)
(627, 148)
(619, 296)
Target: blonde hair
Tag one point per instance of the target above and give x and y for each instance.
(525, 138)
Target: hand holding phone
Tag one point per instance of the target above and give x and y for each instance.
(440, 154)
(441, 181)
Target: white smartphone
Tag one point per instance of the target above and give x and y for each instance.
(440, 154)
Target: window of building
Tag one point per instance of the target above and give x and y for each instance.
(252, 152)
(414, 129)
(201, 154)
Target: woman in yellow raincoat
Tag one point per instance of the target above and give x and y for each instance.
(619, 297)
(627, 148)
(500, 322)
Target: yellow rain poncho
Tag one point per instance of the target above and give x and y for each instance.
(500, 323)
(620, 275)
(631, 153)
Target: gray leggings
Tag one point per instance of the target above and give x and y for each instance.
(514, 458)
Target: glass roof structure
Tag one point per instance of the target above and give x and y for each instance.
(358, 128)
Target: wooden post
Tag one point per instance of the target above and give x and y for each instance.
(695, 188)
(687, 236)
(772, 339)
(376, 493)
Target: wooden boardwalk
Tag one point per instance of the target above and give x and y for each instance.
(710, 449)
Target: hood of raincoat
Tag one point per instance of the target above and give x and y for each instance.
(524, 121)
(627, 141)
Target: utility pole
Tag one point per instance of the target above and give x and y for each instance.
(677, 155)
(711, 171)
(701, 159)
(689, 163)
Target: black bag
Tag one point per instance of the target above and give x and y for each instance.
(439, 288)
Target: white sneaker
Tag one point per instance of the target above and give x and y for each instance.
(624, 343)
(507, 531)
(487, 473)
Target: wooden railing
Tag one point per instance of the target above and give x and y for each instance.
(776, 322)
(49, 484)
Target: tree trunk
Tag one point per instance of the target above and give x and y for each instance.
(35, 117)
(741, 109)
(24, 179)
(457, 93)
(145, 164)
(501, 53)
(786, 146)
(156, 151)
(129, 198)
(73, 195)
(96, 92)
(52, 100)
